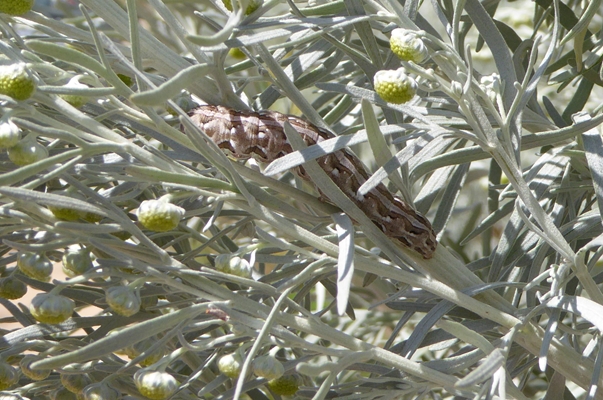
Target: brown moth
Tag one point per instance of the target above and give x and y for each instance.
(261, 135)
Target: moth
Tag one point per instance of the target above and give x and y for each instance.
(261, 135)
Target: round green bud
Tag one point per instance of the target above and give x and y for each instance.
(407, 46)
(159, 215)
(230, 365)
(142, 347)
(51, 308)
(76, 262)
(35, 265)
(100, 391)
(155, 385)
(75, 383)
(394, 86)
(286, 385)
(11, 288)
(16, 80)
(27, 151)
(65, 214)
(8, 375)
(236, 53)
(33, 374)
(234, 265)
(75, 100)
(63, 394)
(268, 367)
(123, 300)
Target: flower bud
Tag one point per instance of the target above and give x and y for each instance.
(75, 100)
(100, 391)
(15, 7)
(123, 300)
(75, 383)
(8, 375)
(33, 374)
(142, 347)
(490, 84)
(268, 367)
(286, 385)
(251, 6)
(148, 302)
(394, 86)
(457, 88)
(159, 215)
(51, 308)
(10, 134)
(35, 265)
(27, 151)
(11, 288)
(236, 53)
(76, 262)
(234, 265)
(183, 101)
(154, 384)
(92, 217)
(64, 213)
(230, 365)
(16, 80)
(122, 235)
(407, 46)
(127, 80)
(63, 394)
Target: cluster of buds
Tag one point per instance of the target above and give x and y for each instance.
(267, 367)
(397, 86)
(491, 86)
(17, 81)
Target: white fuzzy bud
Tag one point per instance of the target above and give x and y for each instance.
(407, 46)
(394, 86)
